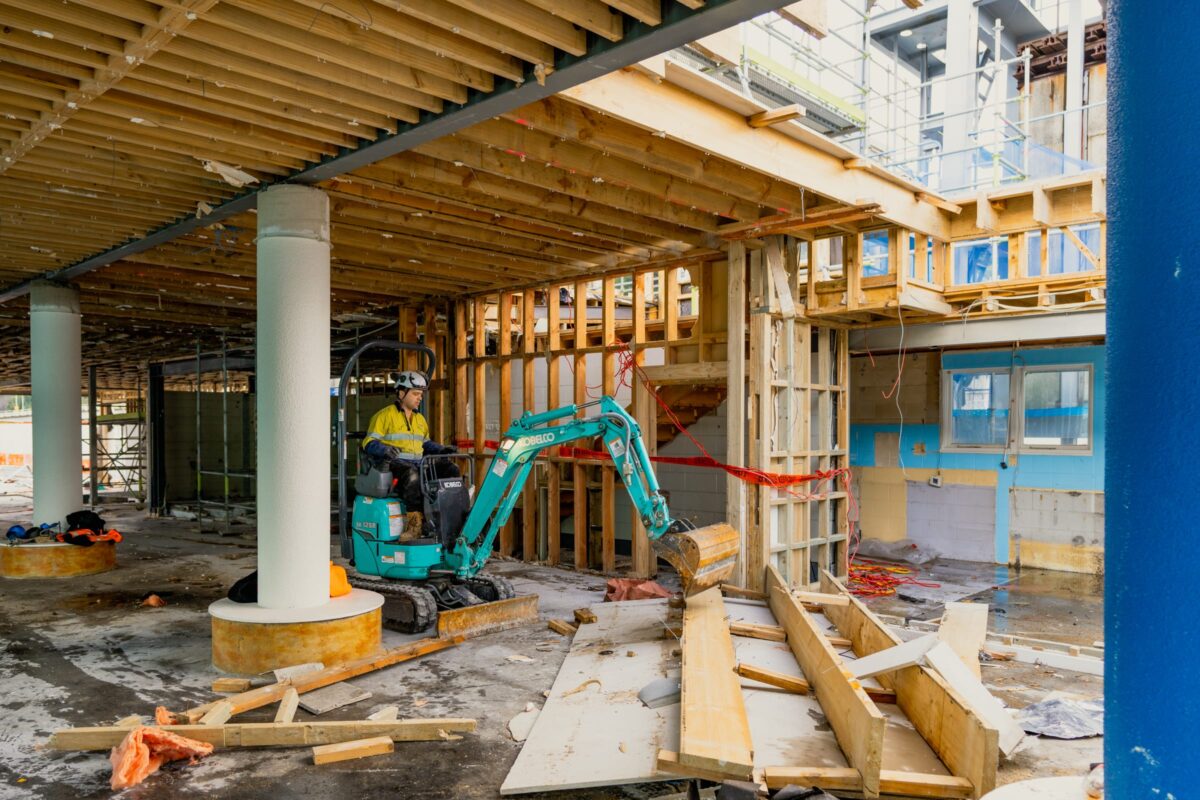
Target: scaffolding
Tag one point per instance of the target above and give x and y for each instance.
(115, 443)
(872, 100)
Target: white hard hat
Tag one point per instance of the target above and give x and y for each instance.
(410, 380)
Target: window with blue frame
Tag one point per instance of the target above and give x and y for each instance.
(977, 408)
(1062, 256)
(875, 254)
(981, 260)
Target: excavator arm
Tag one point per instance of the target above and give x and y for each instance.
(702, 556)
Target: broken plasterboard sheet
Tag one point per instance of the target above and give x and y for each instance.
(331, 697)
(893, 658)
(964, 628)
(976, 696)
(576, 740)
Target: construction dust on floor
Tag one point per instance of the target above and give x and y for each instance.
(92, 652)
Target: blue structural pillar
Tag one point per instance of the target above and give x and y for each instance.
(1152, 528)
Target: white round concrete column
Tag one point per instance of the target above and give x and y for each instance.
(57, 402)
(294, 621)
(293, 397)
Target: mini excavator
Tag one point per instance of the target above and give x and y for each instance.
(441, 566)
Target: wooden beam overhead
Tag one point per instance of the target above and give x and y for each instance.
(666, 110)
(171, 22)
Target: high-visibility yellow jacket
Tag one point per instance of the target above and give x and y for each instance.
(390, 426)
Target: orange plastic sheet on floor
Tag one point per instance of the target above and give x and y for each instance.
(617, 589)
(146, 749)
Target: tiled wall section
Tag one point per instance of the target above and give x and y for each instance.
(919, 455)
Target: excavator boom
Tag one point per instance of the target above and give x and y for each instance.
(703, 557)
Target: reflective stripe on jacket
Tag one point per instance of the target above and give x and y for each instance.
(390, 426)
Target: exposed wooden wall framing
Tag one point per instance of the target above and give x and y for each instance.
(797, 409)
(539, 330)
(788, 410)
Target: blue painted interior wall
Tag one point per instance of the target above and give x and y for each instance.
(1084, 472)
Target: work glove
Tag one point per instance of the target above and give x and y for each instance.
(382, 452)
(432, 448)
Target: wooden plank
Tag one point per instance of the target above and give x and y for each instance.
(272, 734)
(231, 684)
(480, 395)
(856, 722)
(530, 518)
(775, 116)
(820, 598)
(266, 695)
(894, 658)
(778, 276)
(671, 763)
(348, 751)
(645, 413)
(917, 784)
(710, 372)
(218, 714)
(942, 658)
(608, 385)
(504, 366)
(828, 778)
(967, 746)
(288, 706)
(772, 633)
(460, 397)
(891, 782)
(939, 202)
(985, 215)
(729, 590)
(714, 733)
(579, 472)
(808, 15)
(964, 628)
(553, 470)
(773, 678)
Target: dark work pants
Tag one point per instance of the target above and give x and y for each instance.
(408, 474)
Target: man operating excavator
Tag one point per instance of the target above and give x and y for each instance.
(398, 436)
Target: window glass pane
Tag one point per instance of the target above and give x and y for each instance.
(875, 254)
(979, 408)
(1033, 244)
(981, 261)
(1057, 408)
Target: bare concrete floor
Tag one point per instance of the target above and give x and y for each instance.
(83, 652)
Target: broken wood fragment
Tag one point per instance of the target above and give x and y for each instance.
(729, 590)
(231, 684)
(561, 626)
(585, 616)
(287, 706)
(348, 751)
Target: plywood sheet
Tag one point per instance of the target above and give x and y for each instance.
(576, 742)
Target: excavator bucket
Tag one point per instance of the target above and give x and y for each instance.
(703, 557)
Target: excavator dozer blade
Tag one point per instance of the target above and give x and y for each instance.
(498, 615)
(703, 557)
